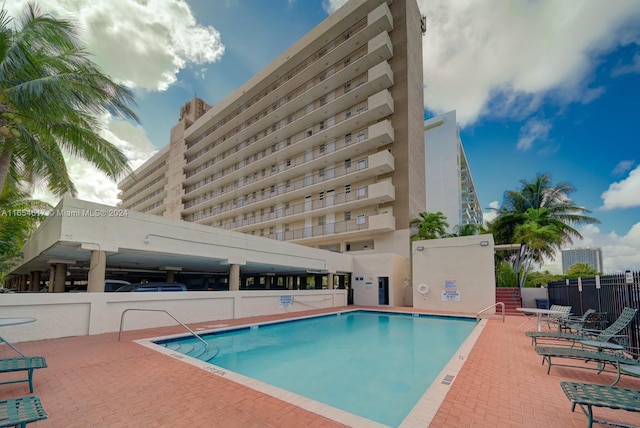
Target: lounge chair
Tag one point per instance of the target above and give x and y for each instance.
(22, 364)
(616, 359)
(556, 319)
(588, 395)
(576, 323)
(20, 411)
(609, 333)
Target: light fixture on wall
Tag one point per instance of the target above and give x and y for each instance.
(420, 248)
(484, 243)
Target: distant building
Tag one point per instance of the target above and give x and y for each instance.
(571, 256)
(449, 184)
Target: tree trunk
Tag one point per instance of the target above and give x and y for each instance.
(5, 160)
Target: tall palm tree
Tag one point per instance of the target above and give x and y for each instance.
(539, 216)
(468, 229)
(19, 217)
(430, 226)
(51, 94)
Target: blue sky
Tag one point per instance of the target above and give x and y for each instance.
(538, 86)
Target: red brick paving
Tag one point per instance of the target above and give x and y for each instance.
(96, 381)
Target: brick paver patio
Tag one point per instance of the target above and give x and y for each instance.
(96, 381)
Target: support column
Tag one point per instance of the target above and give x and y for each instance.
(171, 276)
(234, 277)
(52, 275)
(330, 281)
(60, 278)
(35, 281)
(97, 269)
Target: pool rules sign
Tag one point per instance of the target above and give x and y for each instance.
(450, 292)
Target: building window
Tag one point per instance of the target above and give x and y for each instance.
(289, 162)
(347, 163)
(347, 188)
(321, 221)
(347, 87)
(321, 148)
(288, 183)
(361, 219)
(347, 114)
(347, 138)
(321, 195)
(347, 215)
(321, 172)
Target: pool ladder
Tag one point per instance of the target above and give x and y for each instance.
(196, 335)
(489, 307)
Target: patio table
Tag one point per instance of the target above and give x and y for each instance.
(6, 322)
(529, 312)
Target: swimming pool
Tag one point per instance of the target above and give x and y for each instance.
(373, 364)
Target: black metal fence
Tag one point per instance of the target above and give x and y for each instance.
(607, 293)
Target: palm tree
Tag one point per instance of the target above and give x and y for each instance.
(51, 94)
(540, 217)
(468, 229)
(19, 217)
(430, 226)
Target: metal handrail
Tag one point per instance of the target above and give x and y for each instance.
(489, 307)
(161, 310)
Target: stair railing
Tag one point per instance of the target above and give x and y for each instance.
(161, 310)
(489, 307)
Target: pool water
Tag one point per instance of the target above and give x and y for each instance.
(374, 364)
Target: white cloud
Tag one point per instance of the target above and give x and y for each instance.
(623, 166)
(331, 6)
(532, 131)
(633, 67)
(143, 44)
(623, 194)
(499, 58)
(619, 253)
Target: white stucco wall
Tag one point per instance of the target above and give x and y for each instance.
(464, 263)
(373, 266)
(79, 314)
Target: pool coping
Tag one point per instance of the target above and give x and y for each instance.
(420, 415)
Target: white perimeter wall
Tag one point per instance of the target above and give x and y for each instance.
(463, 260)
(79, 314)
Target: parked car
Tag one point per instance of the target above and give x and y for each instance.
(114, 284)
(154, 286)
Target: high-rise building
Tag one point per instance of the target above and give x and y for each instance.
(324, 147)
(571, 256)
(449, 183)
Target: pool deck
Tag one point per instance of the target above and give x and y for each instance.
(96, 381)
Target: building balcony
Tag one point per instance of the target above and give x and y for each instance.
(366, 226)
(357, 199)
(378, 21)
(144, 203)
(136, 193)
(357, 171)
(378, 49)
(235, 183)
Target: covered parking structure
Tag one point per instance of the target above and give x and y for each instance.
(81, 243)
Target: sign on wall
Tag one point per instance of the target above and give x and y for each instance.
(451, 293)
(286, 301)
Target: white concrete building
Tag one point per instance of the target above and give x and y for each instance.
(449, 183)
